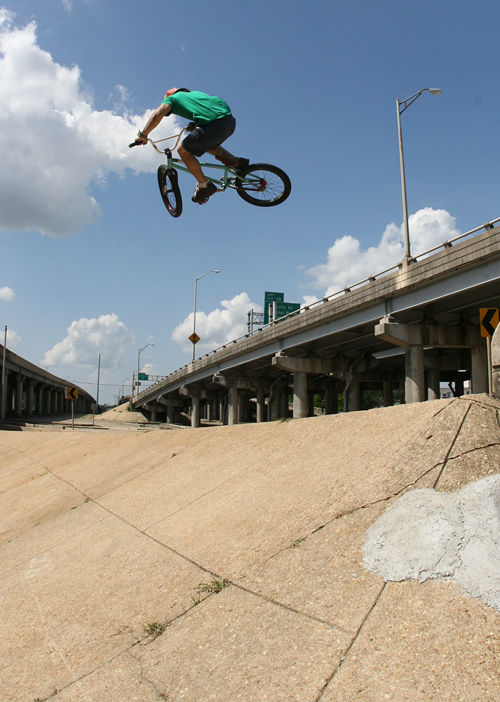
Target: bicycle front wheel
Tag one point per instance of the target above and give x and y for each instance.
(169, 189)
(263, 185)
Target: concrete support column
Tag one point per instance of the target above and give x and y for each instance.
(353, 395)
(495, 363)
(261, 407)
(154, 414)
(242, 407)
(299, 395)
(48, 401)
(170, 414)
(232, 406)
(39, 401)
(388, 393)
(415, 375)
(331, 399)
(19, 396)
(310, 403)
(195, 411)
(30, 398)
(274, 406)
(479, 360)
(433, 389)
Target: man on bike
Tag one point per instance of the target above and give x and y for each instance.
(211, 124)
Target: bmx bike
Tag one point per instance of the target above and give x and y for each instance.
(260, 184)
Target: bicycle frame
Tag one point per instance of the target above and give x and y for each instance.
(226, 181)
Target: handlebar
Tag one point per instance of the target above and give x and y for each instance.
(153, 143)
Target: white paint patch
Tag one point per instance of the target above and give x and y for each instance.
(39, 565)
(427, 534)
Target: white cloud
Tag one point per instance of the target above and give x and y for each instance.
(219, 326)
(13, 339)
(87, 338)
(149, 369)
(347, 263)
(6, 294)
(61, 144)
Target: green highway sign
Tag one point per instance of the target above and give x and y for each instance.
(268, 298)
(143, 376)
(284, 308)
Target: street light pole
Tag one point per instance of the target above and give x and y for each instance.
(138, 366)
(401, 107)
(194, 315)
(4, 354)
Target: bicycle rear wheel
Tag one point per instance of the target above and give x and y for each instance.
(169, 190)
(264, 185)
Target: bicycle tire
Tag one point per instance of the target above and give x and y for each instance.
(169, 190)
(269, 185)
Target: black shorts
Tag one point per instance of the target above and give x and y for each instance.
(208, 136)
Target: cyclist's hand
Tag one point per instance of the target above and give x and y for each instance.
(191, 127)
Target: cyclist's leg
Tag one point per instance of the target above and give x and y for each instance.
(192, 164)
(224, 156)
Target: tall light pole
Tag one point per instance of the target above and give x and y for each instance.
(4, 356)
(138, 366)
(122, 386)
(401, 107)
(193, 338)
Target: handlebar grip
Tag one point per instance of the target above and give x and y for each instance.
(134, 144)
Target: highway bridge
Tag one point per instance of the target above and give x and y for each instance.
(30, 391)
(406, 329)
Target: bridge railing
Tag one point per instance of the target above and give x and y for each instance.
(397, 266)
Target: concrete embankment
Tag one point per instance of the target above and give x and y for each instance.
(254, 562)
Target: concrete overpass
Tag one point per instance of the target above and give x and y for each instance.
(30, 391)
(409, 327)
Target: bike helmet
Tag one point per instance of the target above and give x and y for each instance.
(172, 91)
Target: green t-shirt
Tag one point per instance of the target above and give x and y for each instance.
(197, 107)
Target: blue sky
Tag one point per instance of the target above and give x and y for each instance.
(90, 261)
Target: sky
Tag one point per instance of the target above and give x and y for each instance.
(92, 265)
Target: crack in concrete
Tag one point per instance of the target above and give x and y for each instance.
(351, 644)
(148, 681)
(452, 445)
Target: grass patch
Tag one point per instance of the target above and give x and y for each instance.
(212, 587)
(154, 629)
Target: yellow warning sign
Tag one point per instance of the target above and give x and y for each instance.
(488, 317)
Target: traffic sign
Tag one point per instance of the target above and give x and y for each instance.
(194, 338)
(284, 308)
(270, 297)
(71, 393)
(488, 317)
(143, 376)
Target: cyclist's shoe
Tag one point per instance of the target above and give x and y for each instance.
(201, 195)
(242, 163)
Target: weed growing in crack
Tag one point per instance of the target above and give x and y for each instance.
(214, 586)
(154, 629)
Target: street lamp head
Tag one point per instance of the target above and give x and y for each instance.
(435, 91)
(216, 271)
